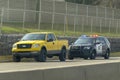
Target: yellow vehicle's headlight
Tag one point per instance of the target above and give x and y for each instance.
(14, 46)
(36, 45)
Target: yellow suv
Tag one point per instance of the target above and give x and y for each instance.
(39, 45)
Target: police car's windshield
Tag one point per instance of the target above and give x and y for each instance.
(33, 37)
(84, 41)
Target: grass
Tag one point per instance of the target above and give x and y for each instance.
(5, 58)
(19, 30)
(116, 54)
(58, 29)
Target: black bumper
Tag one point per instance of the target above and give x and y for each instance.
(26, 54)
(79, 53)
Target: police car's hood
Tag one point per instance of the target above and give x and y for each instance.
(82, 44)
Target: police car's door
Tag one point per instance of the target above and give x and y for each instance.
(98, 46)
(104, 46)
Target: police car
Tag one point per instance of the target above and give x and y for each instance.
(90, 47)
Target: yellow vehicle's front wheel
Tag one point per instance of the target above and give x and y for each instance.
(16, 58)
(42, 56)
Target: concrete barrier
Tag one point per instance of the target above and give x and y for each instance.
(22, 75)
(104, 71)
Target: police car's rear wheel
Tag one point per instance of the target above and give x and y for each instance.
(106, 56)
(93, 55)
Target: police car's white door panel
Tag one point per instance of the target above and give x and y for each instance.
(99, 48)
(104, 48)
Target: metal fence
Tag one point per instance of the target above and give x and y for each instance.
(36, 15)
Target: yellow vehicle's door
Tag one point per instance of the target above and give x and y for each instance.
(55, 42)
(51, 44)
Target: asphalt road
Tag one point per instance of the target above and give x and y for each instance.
(32, 65)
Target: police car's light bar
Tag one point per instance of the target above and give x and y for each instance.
(94, 35)
(84, 36)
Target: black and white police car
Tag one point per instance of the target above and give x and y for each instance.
(90, 47)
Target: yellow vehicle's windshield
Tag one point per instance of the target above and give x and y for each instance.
(33, 37)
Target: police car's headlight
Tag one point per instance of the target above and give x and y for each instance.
(36, 45)
(86, 47)
(14, 46)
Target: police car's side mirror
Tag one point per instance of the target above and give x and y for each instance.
(71, 43)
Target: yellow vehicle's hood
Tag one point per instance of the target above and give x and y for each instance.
(30, 42)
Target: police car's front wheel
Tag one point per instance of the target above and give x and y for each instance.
(70, 57)
(93, 55)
